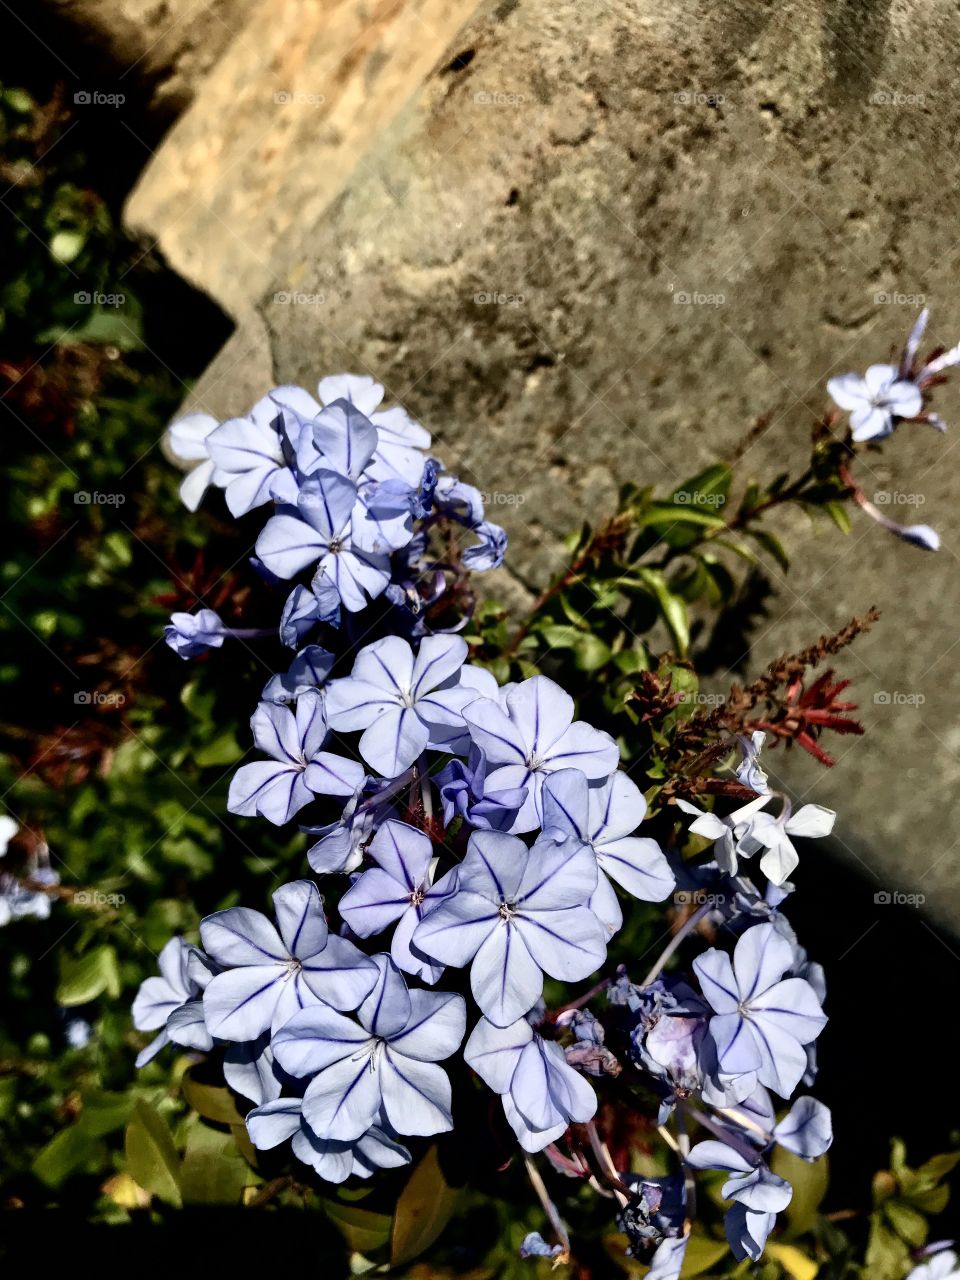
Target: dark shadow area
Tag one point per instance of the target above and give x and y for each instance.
(892, 979)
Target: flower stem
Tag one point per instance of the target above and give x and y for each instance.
(687, 928)
(549, 1208)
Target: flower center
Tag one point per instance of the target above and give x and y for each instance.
(507, 909)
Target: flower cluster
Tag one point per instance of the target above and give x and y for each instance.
(474, 840)
(355, 501)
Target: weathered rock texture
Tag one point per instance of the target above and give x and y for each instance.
(511, 258)
(280, 125)
(166, 47)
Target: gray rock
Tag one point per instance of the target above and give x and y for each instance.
(605, 238)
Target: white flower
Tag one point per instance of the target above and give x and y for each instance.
(939, 1266)
(187, 444)
(750, 771)
(874, 400)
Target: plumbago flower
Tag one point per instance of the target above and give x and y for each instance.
(385, 1061)
(299, 768)
(480, 839)
(270, 973)
(762, 1017)
(517, 913)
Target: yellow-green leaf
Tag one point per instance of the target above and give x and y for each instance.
(796, 1264)
(152, 1159)
(426, 1205)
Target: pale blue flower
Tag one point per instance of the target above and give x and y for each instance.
(758, 1195)
(399, 891)
(179, 983)
(532, 735)
(298, 769)
(542, 1094)
(250, 463)
(876, 400)
(603, 817)
(518, 913)
(763, 1020)
(272, 973)
(190, 634)
(403, 703)
(385, 1060)
(309, 670)
(320, 534)
(281, 1118)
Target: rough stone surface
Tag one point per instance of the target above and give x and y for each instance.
(166, 46)
(279, 126)
(784, 167)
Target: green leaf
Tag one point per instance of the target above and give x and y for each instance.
(673, 609)
(795, 1264)
(590, 653)
(838, 513)
(809, 1181)
(772, 545)
(362, 1229)
(84, 978)
(68, 1151)
(213, 1102)
(909, 1224)
(213, 1171)
(426, 1205)
(702, 1254)
(152, 1159)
